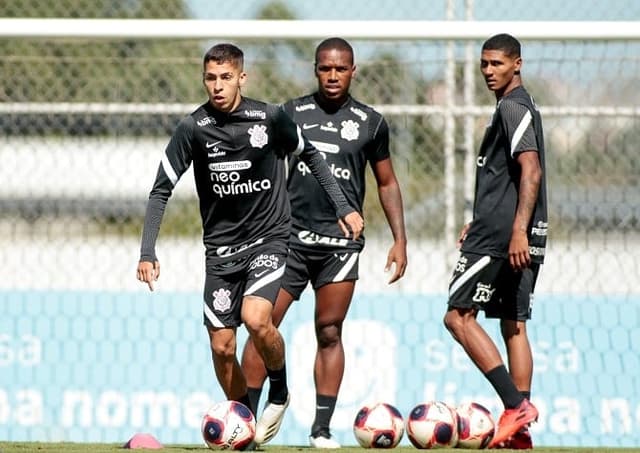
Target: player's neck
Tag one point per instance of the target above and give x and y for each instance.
(515, 83)
(331, 104)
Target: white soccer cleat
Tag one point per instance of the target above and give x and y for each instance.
(323, 442)
(269, 422)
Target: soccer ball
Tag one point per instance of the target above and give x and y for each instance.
(228, 425)
(475, 426)
(433, 425)
(378, 426)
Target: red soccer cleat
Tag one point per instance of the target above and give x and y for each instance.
(513, 420)
(521, 440)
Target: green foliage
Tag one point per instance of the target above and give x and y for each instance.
(582, 152)
(103, 9)
(416, 141)
(118, 71)
(271, 79)
(275, 10)
(72, 70)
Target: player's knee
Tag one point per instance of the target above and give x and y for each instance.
(511, 328)
(453, 322)
(329, 335)
(257, 326)
(223, 350)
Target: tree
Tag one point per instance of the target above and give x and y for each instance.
(97, 70)
(272, 76)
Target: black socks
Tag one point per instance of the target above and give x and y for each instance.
(503, 384)
(278, 390)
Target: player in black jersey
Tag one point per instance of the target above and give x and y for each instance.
(238, 148)
(350, 135)
(503, 247)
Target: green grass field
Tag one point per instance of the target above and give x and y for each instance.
(29, 447)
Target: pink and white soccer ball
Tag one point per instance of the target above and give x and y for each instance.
(228, 425)
(433, 425)
(378, 426)
(475, 426)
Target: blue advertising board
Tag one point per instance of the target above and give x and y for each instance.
(101, 366)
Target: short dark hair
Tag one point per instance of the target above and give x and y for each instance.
(225, 53)
(504, 42)
(334, 43)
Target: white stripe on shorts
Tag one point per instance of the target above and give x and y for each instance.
(346, 268)
(213, 319)
(466, 275)
(264, 281)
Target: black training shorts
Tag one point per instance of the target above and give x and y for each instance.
(490, 284)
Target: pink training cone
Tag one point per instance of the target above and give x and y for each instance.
(143, 440)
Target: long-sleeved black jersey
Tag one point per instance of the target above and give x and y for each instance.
(239, 168)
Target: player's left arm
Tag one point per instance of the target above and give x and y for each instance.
(518, 120)
(377, 152)
(391, 201)
(530, 177)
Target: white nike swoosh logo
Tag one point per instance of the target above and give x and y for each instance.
(260, 274)
(309, 126)
(211, 145)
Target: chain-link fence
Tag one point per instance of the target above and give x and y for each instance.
(569, 10)
(84, 123)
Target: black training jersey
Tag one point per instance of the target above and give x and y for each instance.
(348, 137)
(515, 126)
(240, 177)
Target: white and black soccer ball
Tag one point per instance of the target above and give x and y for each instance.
(475, 426)
(433, 424)
(378, 426)
(228, 425)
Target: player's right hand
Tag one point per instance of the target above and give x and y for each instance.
(352, 223)
(463, 235)
(148, 272)
(398, 256)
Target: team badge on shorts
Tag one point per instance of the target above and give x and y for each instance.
(221, 299)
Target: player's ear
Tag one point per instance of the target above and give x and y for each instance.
(353, 71)
(242, 78)
(518, 65)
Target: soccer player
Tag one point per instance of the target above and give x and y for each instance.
(350, 135)
(503, 246)
(238, 147)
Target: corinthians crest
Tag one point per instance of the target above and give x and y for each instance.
(350, 130)
(259, 136)
(221, 299)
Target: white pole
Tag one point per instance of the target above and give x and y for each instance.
(469, 120)
(449, 137)
(316, 29)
